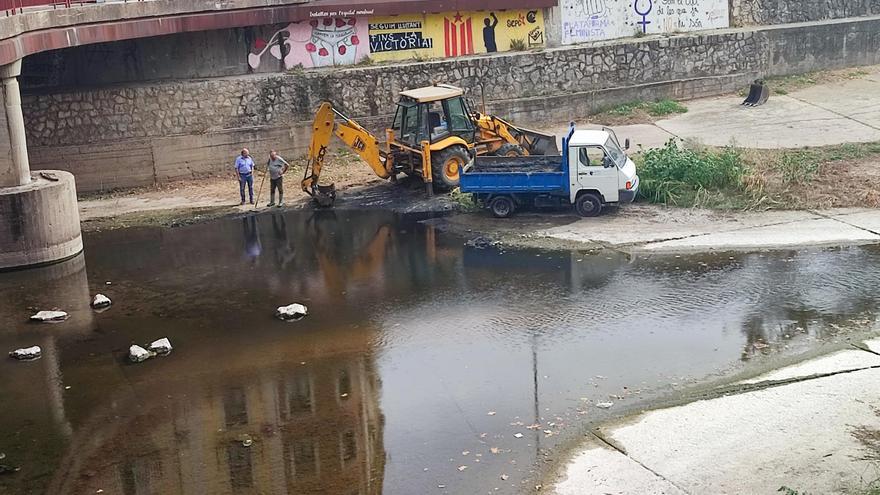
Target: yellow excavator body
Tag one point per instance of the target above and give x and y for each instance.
(450, 136)
(447, 142)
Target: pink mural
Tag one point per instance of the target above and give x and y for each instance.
(317, 43)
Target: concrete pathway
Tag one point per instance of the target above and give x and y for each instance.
(820, 115)
(812, 433)
(650, 229)
(644, 135)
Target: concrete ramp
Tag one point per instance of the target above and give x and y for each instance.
(813, 435)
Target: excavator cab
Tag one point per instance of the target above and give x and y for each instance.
(438, 116)
(432, 117)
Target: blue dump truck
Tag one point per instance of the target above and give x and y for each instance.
(593, 172)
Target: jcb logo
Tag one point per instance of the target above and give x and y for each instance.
(358, 144)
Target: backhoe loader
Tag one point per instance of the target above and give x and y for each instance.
(435, 134)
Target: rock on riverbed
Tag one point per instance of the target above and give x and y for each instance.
(161, 347)
(137, 354)
(101, 302)
(293, 312)
(44, 316)
(27, 353)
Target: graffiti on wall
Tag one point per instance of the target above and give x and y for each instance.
(317, 43)
(398, 36)
(586, 20)
(593, 20)
(347, 40)
(454, 34)
(687, 15)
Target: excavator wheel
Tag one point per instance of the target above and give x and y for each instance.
(510, 149)
(446, 166)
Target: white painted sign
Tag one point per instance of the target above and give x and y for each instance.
(593, 20)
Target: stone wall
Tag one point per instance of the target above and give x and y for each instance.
(768, 12)
(137, 135)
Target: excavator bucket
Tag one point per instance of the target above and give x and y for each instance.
(759, 93)
(538, 143)
(325, 196)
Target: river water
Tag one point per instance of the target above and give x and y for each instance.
(424, 366)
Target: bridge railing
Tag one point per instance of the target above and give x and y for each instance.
(12, 7)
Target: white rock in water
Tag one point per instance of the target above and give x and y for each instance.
(27, 353)
(101, 301)
(138, 354)
(161, 347)
(49, 316)
(605, 405)
(293, 312)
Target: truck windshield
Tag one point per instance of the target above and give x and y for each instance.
(615, 152)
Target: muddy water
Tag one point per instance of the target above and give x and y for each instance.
(425, 366)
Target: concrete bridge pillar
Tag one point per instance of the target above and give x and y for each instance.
(39, 219)
(16, 170)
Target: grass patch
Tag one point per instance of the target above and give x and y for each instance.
(798, 167)
(660, 108)
(657, 108)
(783, 85)
(801, 166)
(626, 109)
(733, 178)
(466, 201)
(786, 84)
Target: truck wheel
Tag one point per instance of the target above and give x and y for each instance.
(509, 149)
(502, 206)
(446, 166)
(588, 205)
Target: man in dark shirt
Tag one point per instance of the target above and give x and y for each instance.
(489, 33)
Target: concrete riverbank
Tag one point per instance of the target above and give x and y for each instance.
(809, 428)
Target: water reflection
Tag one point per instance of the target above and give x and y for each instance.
(253, 248)
(309, 401)
(405, 323)
(315, 427)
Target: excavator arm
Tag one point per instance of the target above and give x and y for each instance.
(531, 142)
(352, 134)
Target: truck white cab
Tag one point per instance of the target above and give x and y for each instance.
(592, 172)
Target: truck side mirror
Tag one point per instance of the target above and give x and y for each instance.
(626, 144)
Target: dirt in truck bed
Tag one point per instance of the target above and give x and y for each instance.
(503, 164)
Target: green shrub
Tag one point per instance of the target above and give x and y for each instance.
(663, 107)
(683, 176)
(657, 108)
(466, 201)
(518, 45)
(626, 109)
